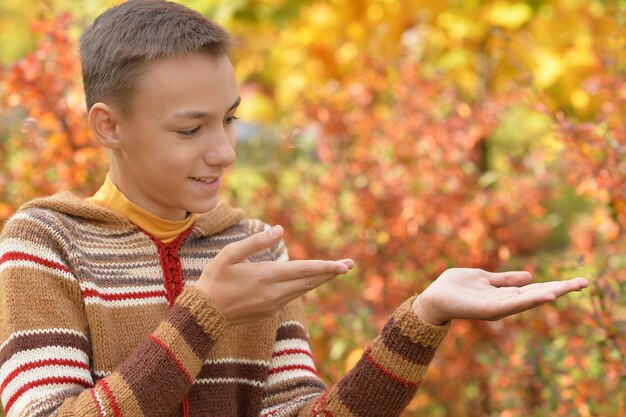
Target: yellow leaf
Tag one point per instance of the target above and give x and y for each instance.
(579, 99)
(459, 27)
(548, 68)
(581, 55)
(257, 107)
(375, 12)
(353, 358)
(346, 52)
(509, 15)
(382, 238)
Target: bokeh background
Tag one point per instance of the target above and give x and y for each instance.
(413, 136)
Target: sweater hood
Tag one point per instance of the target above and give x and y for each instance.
(215, 221)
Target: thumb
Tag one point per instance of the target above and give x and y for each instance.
(238, 251)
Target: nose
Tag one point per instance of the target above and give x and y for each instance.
(221, 148)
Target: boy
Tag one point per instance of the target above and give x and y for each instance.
(132, 303)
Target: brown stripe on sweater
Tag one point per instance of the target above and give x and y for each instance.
(88, 235)
(201, 252)
(171, 337)
(103, 259)
(157, 382)
(129, 406)
(295, 382)
(404, 347)
(222, 400)
(250, 227)
(333, 404)
(287, 390)
(121, 279)
(293, 406)
(32, 223)
(234, 370)
(391, 395)
(205, 246)
(279, 249)
(291, 331)
(127, 231)
(52, 401)
(192, 332)
(34, 341)
(397, 364)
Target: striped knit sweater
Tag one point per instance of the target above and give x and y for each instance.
(98, 318)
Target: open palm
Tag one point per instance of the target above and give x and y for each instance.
(465, 293)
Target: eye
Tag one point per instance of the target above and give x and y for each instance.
(230, 120)
(189, 132)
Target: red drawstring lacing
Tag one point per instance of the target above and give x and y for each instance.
(170, 264)
(185, 407)
(172, 276)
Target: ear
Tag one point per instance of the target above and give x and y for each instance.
(103, 121)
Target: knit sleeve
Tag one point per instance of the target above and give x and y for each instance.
(388, 374)
(381, 384)
(45, 349)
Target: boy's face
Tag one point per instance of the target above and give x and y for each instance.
(179, 136)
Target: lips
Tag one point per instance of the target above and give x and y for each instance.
(206, 180)
(207, 184)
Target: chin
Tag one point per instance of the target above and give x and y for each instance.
(204, 207)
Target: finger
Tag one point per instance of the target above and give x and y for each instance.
(348, 262)
(534, 295)
(239, 251)
(520, 303)
(558, 288)
(509, 278)
(294, 270)
(297, 288)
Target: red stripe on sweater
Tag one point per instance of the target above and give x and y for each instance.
(107, 391)
(321, 402)
(20, 256)
(95, 400)
(123, 296)
(39, 364)
(172, 356)
(291, 352)
(314, 411)
(291, 368)
(44, 381)
(389, 374)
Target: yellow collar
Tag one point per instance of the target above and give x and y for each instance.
(109, 196)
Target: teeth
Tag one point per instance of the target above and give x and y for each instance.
(205, 180)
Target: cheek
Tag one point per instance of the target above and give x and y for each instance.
(180, 159)
(232, 137)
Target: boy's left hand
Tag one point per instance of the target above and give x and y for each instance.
(465, 293)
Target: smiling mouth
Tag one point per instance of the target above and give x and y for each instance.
(206, 180)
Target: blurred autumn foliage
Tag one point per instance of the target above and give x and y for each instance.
(413, 136)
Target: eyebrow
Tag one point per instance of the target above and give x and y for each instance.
(196, 114)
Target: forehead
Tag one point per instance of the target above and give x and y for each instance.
(196, 81)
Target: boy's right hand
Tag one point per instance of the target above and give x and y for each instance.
(246, 291)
